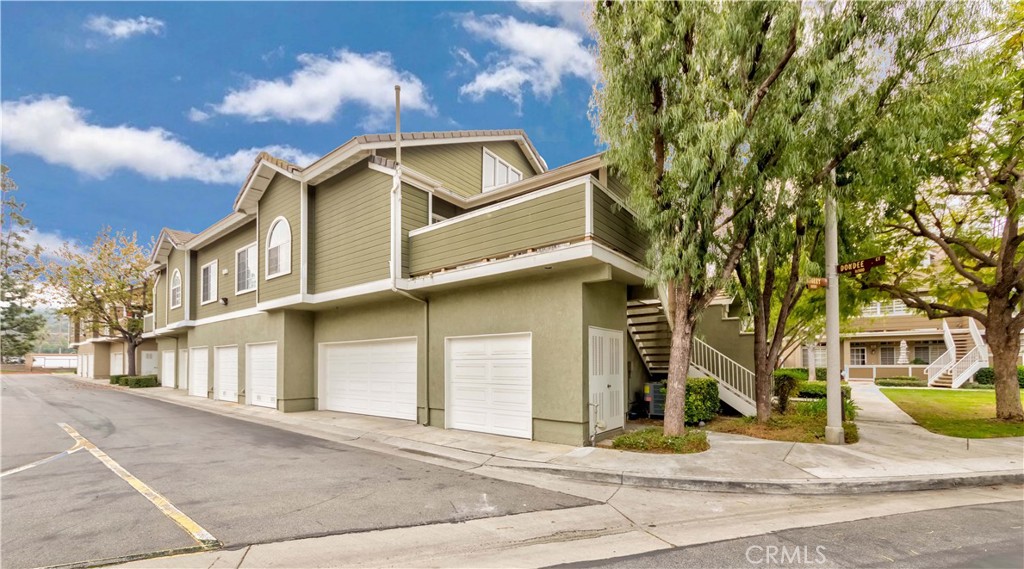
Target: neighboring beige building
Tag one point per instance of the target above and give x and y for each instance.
(889, 339)
(469, 288)
(101, 354)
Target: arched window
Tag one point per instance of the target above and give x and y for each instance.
(279, 248)
(175, 290)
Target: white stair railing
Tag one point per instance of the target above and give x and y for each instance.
(947, 359)
(976, 336)
(723, 368)
(968, 365)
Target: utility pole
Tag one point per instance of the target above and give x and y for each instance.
(834, 434)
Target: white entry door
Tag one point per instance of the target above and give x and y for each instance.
(167, 369)
(148, 362)
(376, 377)
(225, 373)
(198, 371)
(606, 380)
(117, 364)
(489, 385)
(183, 369)
(90, 366)
(261, 375)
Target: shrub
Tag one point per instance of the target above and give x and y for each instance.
(654, 440)
(819, 372)
(786, 381)
(798, 372)
(123, 380)
(702, 400)
(987, 376)
(901, 382)
(817, 390)
(977, 386)
(115, 379)
(819, 408)
(918, 362)
(142, 381)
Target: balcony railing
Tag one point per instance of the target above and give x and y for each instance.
(886, 308)
(568, 213)
(147, 322)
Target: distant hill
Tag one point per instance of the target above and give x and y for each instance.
(54, 339)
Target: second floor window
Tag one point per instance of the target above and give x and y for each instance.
(498, 172)
(209, 282)
(175, 290)
(279, 249)
(245, 269)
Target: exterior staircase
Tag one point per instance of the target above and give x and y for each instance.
(966, 353)
(649, 328)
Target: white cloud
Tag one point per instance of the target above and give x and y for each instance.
(51, 242)
(59, 133)
(196, 115)
(463, 57)
(123, 29)
(318, 89)
(531, 54)
(574, 14)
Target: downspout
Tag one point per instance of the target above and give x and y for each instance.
(396, 245)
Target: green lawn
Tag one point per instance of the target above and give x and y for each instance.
(956, 413)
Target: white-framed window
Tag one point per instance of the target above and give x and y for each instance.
(858, 355)
(279, 248)
(174, 291)
(245, 269)
(208, 282)
(498, 172)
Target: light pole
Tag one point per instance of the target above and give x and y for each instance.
(834, 434)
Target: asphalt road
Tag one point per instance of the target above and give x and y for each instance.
(244, 483)
(986, 536)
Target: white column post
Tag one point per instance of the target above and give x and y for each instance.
(834, 430)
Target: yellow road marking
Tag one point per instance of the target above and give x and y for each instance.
(195, 530)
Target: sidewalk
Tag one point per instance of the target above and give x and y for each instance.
(893, 453)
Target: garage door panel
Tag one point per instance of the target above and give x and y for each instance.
(261, 370)
(371, 378)
(198, 361)
(489, 384)
(225, 379)
(167, 369)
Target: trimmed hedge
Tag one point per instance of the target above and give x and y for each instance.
(116, 379)
(819, 372)
(987, 376)
(123, 380)
(702, 400)
(785, 385)
(817, 390)
(142, 381)
(901, 382)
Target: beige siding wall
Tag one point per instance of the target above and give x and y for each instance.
(415, 214)
(281, 199)
(615, 227)
(160, 300)
(618, 187)
(460, 166)
(223, 251)
(176, 261)
(352, 229)
(551, 219)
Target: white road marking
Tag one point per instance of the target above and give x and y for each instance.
(61, 454)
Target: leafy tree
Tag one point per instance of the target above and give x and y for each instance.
(20, 326)
(107, 287)
(954, 228)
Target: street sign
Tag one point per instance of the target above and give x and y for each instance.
(817, 282)
(861, 266)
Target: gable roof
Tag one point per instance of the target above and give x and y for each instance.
(168, 239)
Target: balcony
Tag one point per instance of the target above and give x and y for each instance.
(560, 215)
(147, 322)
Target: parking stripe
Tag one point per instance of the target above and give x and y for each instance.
(196, 531)
(61, 454)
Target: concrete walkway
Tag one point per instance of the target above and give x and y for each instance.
(893, 453)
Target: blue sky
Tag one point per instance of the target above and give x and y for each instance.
(144, 115)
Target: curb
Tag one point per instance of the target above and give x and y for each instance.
(836, 486)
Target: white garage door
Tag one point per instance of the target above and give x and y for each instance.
(225, 373)
(183, 369)
(117, 364)
(198, 375)
(167, 369)
(90, 366)
(377, 377)
(148, 361)
(489, 384)
(261, 375)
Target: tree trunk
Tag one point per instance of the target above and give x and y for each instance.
(130, 356)
(763, 369)
(678, 363)
(1005, 344)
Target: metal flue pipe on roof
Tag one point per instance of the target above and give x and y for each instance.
(398, 124)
